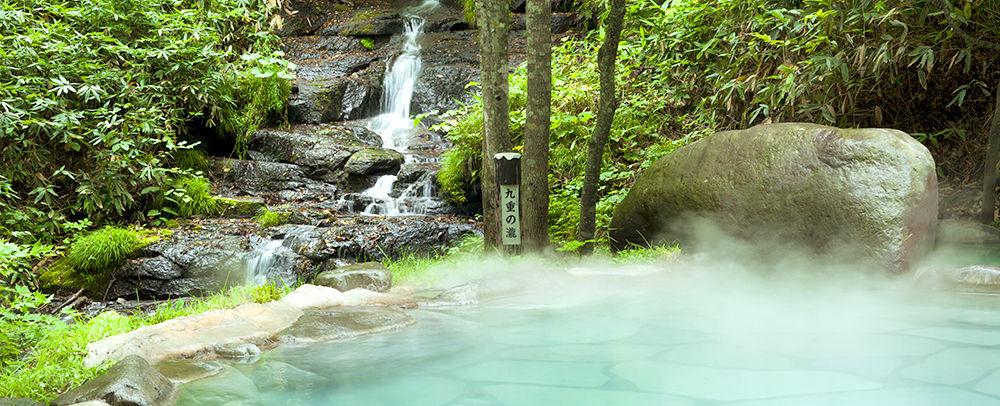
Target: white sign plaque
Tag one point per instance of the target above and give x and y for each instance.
(510, 214)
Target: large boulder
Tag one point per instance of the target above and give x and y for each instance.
(130, 382)
(374, 161)
(367, 275)
(860, 193)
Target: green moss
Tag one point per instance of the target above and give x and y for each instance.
(92, 257)
(269, 218)
(368, 43)
(238, 208)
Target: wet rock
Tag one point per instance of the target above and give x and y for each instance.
(410, 173)
(301, 49)
(963, 232)
(131, 381)
(368, 275)
(239, 352)
(970, 278)
(18, 402)
(150, 268)
(864, 194)
(443, 87)
(320, 150)
(367, 23)
(183, 370)
(190, 262)
(197, 335)
(334, 99)
(239, 207)
(344, 322)
(373, 161)
(268, 181)
(377, 238)
(306, 17)
(257, 176)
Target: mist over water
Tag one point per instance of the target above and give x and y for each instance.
(705, 330)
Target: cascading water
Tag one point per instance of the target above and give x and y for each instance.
(261, 260)
(394, 124)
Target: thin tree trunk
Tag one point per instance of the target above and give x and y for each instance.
(990, 166)
(492, 18)
(602, 129)
(535, 165)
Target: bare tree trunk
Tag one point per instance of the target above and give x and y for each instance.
(990, 165)
(492, 18)
(535, 165)
(602, 129)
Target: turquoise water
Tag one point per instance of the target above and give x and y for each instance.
(687, 338)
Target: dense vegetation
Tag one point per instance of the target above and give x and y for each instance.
(96, 94)
(41, 355)
(689, 68)
(101, 101)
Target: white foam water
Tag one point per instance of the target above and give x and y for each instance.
(394, 124)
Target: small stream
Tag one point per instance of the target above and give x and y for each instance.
(394, 123)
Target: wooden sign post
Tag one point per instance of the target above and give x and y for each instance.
(509, 178)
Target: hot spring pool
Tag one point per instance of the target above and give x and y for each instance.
(679, 339)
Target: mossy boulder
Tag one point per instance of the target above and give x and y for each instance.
(374, 161)
(239, 208)
(868, 194)
(131, 381)
(368, 22)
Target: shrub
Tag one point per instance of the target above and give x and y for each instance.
(688, 68)
(268, 218)
(104, 88)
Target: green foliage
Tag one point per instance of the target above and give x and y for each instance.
(41, 356)
(644, 255)
(268, 218)
(190, 159)
(420, 270)
(16, 262)
(691, 67)
(105, 248)
(268, 292)
(99, 91)
(368, 43)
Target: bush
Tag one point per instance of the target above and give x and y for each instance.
(689, 68)
(268, 218)
(104, 88)
(92, 256)
(41, 356)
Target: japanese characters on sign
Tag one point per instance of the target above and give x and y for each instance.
(510, 214)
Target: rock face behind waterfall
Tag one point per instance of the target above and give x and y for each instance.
(859, 193)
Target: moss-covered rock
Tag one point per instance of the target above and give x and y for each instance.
(239, 208)
(374, 161)
(870, 192)
(368, 22)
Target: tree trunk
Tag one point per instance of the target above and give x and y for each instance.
(535, 164)
(990, 165)
(492, 18)
(602, 129)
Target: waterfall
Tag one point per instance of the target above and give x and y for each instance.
(394, 124)
(261, 260)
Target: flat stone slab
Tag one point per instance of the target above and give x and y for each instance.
(344, 322)
(231, 333)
